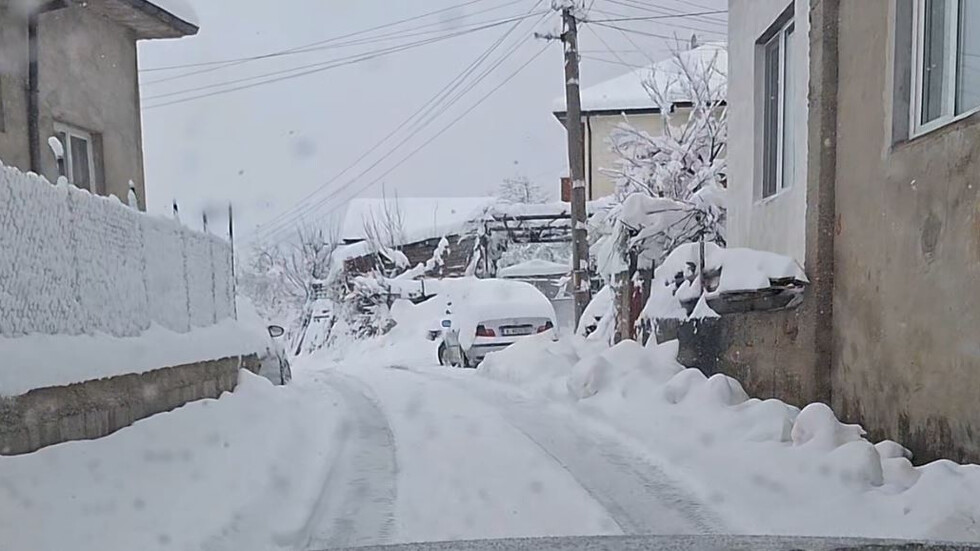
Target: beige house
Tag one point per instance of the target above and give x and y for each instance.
(606, 104)
(70, 71)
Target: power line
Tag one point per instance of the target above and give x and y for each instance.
(440, 133)
(642, 6)
(426, 110)
(611, 62)
(310, 207)
(655, 17)
(211, 66)
(314, 68)
(673, 24)
(634, 31)
(310, 44)
(422, 111)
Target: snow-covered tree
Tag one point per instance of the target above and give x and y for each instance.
(385, 234)
(520, 189)
(281, 278)
(670, 187)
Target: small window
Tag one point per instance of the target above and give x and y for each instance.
(778, 145)
(79, 161)
(946, 56)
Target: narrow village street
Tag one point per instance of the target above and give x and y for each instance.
(431, 454)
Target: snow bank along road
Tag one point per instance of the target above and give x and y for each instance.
(435, 454)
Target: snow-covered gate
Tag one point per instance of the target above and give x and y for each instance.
(74, 263)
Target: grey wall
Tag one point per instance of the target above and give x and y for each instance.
(88, 78)
(94, 409)
(907, 258)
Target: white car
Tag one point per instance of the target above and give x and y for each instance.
(487, 315)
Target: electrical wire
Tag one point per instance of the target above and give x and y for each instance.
(438, 134)
(417, 120)
(212, 66)
(310, 44)
(312, 69)
(415, 117)
(311, 207)
(656, 17)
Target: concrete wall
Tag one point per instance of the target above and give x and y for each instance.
(776, 223)
(88, 78)
(94, 409)
(907, 257)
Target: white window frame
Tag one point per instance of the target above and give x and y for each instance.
(785, 33)
(75, 132)
(949, 114)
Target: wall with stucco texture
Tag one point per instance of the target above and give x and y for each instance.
(907, 258)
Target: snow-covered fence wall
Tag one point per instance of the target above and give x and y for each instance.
(73, 263)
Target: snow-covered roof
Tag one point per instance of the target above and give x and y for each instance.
(534, 268)
(627, 92)
(421, 217)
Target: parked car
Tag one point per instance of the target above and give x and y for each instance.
(487, 315)
(275, 363)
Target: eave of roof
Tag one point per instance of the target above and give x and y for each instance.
(146, 19)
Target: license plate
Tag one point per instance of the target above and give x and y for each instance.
(515, 331)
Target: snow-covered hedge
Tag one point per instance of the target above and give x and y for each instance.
(74, 263)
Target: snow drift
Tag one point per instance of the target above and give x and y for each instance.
(765, 466)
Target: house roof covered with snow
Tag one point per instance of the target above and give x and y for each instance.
(420, 218)
(629, 93)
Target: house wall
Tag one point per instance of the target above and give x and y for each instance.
(907, 257)
(776, 223)
(88, 78)
(597, 130)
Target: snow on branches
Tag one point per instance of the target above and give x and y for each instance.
(670, 185)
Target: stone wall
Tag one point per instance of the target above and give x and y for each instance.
(97, 408)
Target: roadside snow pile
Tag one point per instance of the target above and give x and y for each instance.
(243, 471)
(766, 467)
(38, 360)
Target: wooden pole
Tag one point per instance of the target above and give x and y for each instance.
(576, 164)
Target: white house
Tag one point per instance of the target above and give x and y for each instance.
(767, 98)
(605, 104)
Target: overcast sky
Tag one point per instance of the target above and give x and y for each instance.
(267, 148)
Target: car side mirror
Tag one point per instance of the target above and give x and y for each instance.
(276, 331)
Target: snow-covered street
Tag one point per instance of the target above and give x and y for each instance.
(474, 460)
(380, 445)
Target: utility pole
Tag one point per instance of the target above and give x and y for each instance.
(576, 163)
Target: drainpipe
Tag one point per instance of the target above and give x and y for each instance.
(33, 95)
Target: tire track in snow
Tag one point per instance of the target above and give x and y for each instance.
(357, 504)
(637, 494)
